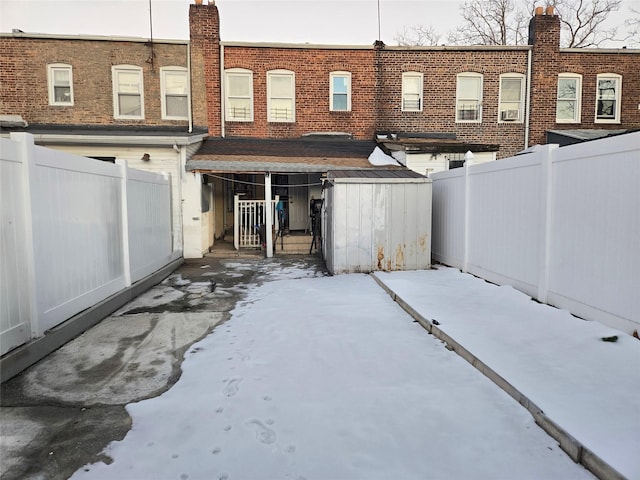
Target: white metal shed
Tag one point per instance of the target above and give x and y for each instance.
(376, 220)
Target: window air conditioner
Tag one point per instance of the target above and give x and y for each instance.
(509, 115)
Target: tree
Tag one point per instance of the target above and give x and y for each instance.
(581, 21)
(491, 22)
(505, 22)
(418, 35)
(633, 27)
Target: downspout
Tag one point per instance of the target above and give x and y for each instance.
(189, 106)
(222, 87)
(528, 108)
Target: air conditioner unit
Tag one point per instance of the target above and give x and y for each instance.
(509, 115)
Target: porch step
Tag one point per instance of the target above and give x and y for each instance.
(294, 245)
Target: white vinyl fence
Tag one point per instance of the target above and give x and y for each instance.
(560, 224)
(74, 232)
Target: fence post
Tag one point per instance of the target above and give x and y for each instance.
(546, 213)
(467, 202)
(124, 215)
(28, 161)
(236, 221)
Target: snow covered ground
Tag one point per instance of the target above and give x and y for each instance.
(591, 388)
(328, 378)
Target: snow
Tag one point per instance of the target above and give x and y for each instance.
(328, 378)
(379, 158)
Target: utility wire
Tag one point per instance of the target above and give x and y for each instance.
(262, 184)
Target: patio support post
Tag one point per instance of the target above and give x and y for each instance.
(236, 222)
(268, 214)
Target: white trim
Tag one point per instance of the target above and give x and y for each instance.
(577, 116)
(511, 115)
(618, 97)
(237, 72)
(281, 73)
(115, 71)
(51, 69)
(474, 75)
(163, 93)
(339, 74)
(407, 76)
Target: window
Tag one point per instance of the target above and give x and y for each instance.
(340, 91)
(608, 87)
(174, 85)
(469, 98)
(60, 84)
(127, 92)
(569, 95)
(281, 96)
(239, 96)
(412, 92)
(511, 98)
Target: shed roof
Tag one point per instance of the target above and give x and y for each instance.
(376, 176)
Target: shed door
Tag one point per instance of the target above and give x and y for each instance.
(298, 203)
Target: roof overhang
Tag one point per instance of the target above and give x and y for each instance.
(71, 135)
(298, 155)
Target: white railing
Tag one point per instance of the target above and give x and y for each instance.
(74, 232)
(560, 224)
(248, 220)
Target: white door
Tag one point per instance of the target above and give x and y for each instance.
(298, 203)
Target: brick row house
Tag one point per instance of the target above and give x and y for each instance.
(285, 114)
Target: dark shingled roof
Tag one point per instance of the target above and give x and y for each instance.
(287, 147)
(306, 154)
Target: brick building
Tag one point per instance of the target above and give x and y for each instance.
(103, 97)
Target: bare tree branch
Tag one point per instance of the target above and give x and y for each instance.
(418, 35)
(505, 22)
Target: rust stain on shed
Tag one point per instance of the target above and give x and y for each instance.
(380, 257)
(400, 256)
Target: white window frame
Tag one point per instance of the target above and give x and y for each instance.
(618, 97)
(409, 96)
(164, 71)
(292, 97)
(506, 115)
(347, 76)
(577, 113)
(51, 70)
(115, 71)
(238, 72)
(478, 99)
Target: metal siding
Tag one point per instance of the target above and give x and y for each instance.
(378, 226)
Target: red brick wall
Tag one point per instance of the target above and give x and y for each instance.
(23, 79)
(311, 68)
(440, 68)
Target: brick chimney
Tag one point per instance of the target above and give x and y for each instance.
(204, 33)
(544, 37)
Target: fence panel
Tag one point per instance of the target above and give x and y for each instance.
(448, 217)
(149, 220)
(595, 236)
(15, 328)
(561, 224)
(66, 225)
(504, 221)
(77, 230)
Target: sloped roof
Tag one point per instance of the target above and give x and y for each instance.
(304, 155)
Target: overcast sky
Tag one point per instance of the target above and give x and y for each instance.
(351, 22)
